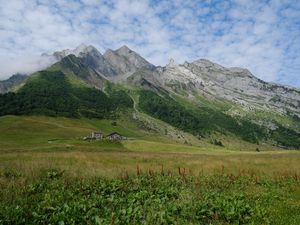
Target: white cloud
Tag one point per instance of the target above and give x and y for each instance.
(26, 64)
(263, 36)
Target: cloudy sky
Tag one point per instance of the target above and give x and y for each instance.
(263, 36)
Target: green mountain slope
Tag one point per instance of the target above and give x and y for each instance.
(71, 88)
(51, 93)
(205, 121)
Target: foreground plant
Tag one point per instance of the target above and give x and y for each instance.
(144, 199)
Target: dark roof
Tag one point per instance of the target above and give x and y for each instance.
(113, 134)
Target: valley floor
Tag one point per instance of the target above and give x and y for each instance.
(47, 171)
(111, 163)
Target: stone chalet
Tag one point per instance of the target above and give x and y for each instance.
(115, 136)
(97, 135)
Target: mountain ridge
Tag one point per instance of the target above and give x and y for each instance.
(83, 48)
(201, 97)
(235, 84)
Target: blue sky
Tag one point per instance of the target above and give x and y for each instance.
(263, 36)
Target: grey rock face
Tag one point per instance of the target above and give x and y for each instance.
(124, 60)
(112, 64)
(234, 84)
(14, 80)
(79, 68)
(59, 55)
(93, 58)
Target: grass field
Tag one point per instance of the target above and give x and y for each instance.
(48, 174)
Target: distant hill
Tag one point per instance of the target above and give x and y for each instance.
(14, 80)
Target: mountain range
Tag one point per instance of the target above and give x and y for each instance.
(200, 98)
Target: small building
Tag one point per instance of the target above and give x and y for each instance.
(115, 136)
(97, 135)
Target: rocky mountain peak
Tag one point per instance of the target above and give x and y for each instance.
(111, 64)
(241, 72)
(89, 48)
(125, 60)
(108, 52)
(218, 70)
(124, 50)
(81, 49)
(205, 63)
(171, 63)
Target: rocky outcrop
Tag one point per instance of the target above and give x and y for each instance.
(59, 55)
(233, 84)
(93, 58)
(112, 65)
(125, 61)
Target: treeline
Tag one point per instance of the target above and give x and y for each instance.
(51, 94)
(205, 121)
(286, 137)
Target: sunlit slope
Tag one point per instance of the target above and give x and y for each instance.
(40, 132)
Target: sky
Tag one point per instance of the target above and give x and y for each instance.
(260, 35)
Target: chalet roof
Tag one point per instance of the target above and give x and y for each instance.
(114, 133)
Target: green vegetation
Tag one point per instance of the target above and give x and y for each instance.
(50, 93)
(149, 198)
(50, 133)
(200, 122)
(48, 174)
(221, 170)
(286, 137)
(63, 91)
(204, 121)
(286, 121)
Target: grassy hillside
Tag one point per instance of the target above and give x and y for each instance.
(40, 132)
(59, 137)
(204, 121)
(52, 93)
(25, 133)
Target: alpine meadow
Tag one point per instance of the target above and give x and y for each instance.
(92, 138)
